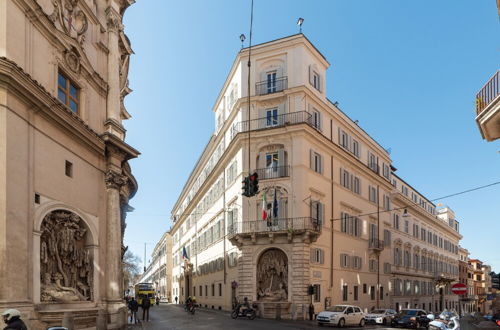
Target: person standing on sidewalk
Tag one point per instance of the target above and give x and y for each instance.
(146, 303)
(134, 307)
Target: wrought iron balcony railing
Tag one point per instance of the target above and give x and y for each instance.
(488, 93)
(272, 122)
(375, 244)
(273, 172)
(284, 225)
(271, 86)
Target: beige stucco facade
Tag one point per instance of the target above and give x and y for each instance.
(64, 177)
(331, 193)
(159, 269)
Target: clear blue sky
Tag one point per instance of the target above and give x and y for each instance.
(407, 70)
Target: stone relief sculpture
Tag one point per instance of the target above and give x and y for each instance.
(71, 19)
(66, 269)
(272, 276)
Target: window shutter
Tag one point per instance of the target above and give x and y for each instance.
(311, 159)
(281, 159)
(262, 160)
(321, 164)
(322, 256)
(313, 253)
(281, 114)
(310, 75)
(321, 211)
(281, 209)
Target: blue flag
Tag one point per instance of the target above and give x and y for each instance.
(184, 253)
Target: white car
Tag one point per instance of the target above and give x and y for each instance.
(341, 315)
(380, 316)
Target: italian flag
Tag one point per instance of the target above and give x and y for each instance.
(264, 205)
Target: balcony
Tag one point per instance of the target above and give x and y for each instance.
(376, 245)
(291, 118)
(273, 172)
(488, 108)
(374, 167)
(274, 227)
(271, 86)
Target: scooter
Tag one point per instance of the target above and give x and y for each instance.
(452, 324)
(240, 311)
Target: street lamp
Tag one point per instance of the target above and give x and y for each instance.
(405, 214)
(300, 21)
(242, 39)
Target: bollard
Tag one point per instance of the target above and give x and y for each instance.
(68, 321)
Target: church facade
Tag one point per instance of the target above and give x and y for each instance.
(65, 181)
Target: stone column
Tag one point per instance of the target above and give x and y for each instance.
(114, 181)
(113, 120)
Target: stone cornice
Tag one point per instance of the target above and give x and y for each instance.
(119, 146)
(33, 92)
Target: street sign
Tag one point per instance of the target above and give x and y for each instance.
(459, 288)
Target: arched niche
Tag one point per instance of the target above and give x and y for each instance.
(272, 276)
(66, 262)
(65, 256)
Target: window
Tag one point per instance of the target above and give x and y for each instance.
(67, 92)
(422, 234)
(231, 173)
(357, 186)
(404, 190)
(194, 291)
(372, 194)
(373, 233)
(345, 292)
(381, 290)
(318, 256)
(387, 203)
(316, 81)
(355, 148)
(387, 268)
(365, 288)
(373, 162)
(386, 171)
(350, 224)
(396, 221)
(372, 292)
(271, 82)
(317, 293)
(349, 181)
(316, 162)
(206, 290)
(407, 259)
(356, 262)
(317, 211)
(344, 260)
(213, 290)
(316, 119)
(69, 169)
(397, 256)
(271, 117)
(356, 292)
(272, 161)
(407, 226)
(344, 140)
(387, 237)
(373, 265)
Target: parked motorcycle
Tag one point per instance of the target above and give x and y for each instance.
(443, 324)
(241, 311)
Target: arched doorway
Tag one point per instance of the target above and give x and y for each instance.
(272, 276)
(66, 261)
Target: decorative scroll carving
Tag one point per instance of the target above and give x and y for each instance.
(113, 20)
(66, 268)
(115, 180)
(272, 276)
(72, 20)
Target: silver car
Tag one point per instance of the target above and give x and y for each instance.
(380, 316)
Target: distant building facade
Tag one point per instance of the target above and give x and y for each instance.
(65, 181)
(331, 214)
(159, 270)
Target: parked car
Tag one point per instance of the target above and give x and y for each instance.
(410, 318)
(380, 316)
(341, 315)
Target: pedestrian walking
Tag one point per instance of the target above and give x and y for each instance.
(146, 303)
(12, 317)
(176, 299)
(134, 307)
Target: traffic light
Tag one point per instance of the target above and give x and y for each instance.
(310, 290)
(254, 184)
(246, 186)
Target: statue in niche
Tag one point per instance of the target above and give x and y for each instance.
(65, 264)
(272, 276)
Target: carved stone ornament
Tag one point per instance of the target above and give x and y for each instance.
(115, 180)
(72, 60)
(113, 20)
(66, 267)
(272, 276)
(72, 20)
